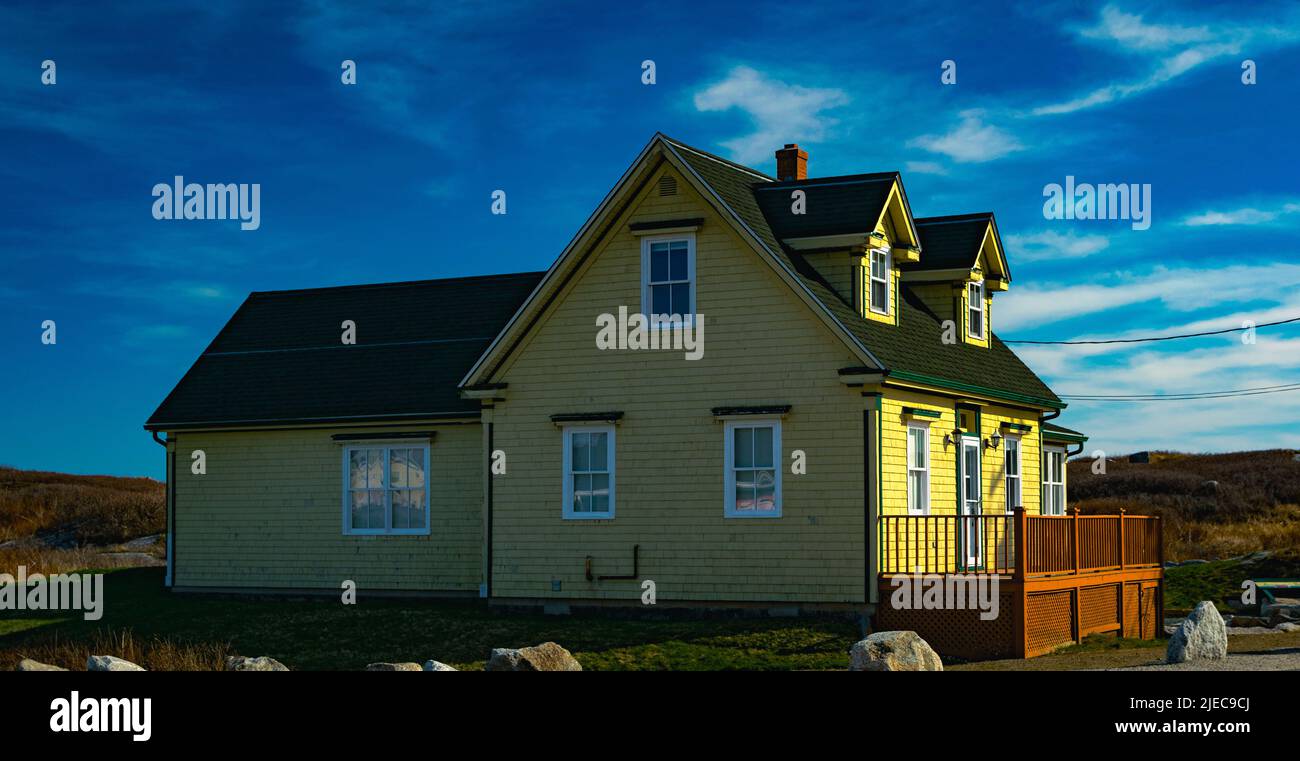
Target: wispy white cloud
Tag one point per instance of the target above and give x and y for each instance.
(1246, 215)
(781, 112)
(1132, 31)
(1176, 289)
(925, 167)
(971, 141)
(1050, 244)
(1170, 50)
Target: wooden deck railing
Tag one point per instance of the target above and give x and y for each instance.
(1050, 545)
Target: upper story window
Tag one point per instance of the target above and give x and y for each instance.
(385, 490)
(589, 471)
(975, 305)
(753, 478)
(668, 278)
(878, 282)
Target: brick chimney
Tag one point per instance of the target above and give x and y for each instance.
(791, 163)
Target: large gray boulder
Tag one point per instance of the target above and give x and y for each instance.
(110, 663)
(1201, 636)
(408, 666)
(437, 666)
(260, 663)
(893, 651)
(27, 664)
(547, 656)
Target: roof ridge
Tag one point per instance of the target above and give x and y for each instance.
(971, 217)
(399, 283)
(719, 159)
(844, 179)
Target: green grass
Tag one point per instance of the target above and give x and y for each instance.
(325, 634)
(1186, 585)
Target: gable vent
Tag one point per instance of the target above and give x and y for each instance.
(667, 185)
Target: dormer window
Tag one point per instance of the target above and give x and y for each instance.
(975, 306)
(878, 282)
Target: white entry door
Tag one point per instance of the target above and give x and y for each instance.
(972, 533)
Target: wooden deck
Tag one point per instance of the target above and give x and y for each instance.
(1060, 578)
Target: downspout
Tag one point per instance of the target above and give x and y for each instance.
(487, 549)
(170, 491)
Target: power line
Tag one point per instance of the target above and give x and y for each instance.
(1153, 338)
(1256, 391)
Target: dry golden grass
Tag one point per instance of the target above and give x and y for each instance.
(154, 654)
(1213, 506)
(90, 509)
(39, 559)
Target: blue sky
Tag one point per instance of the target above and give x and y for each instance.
(391, 179)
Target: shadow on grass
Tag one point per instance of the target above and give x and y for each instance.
(325, 634)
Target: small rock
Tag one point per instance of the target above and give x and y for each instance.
(547, 656)
(110, 663)
(407, 666)
(260, 663)
(1202, 636)
(1288, 626)
(27, 664)
(437, 666)
(893, 651)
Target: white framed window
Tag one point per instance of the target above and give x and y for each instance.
(589, 472)
(1053, 481)
(975, 305)
(918, 469)
(386, 489)
(668, 278)
(1011, 448)
(753, 469)
(878, 282)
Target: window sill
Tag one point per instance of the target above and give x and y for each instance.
(756, 514)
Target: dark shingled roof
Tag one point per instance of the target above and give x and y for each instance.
(834, 205)
(281, 356)
(950, 242)
(914, 346)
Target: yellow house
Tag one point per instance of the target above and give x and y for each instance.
(728, 390)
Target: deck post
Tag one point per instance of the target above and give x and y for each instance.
(1020, 607)
(1121, 538)
(1075, 528)
(1074, 592)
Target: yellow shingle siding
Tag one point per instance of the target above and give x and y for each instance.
(762, 347)
(269, 514)
(941, 537)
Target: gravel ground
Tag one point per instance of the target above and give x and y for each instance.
(1282, 659)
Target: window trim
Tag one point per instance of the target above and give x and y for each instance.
(1020, 470)
(924, 427)
(976, 305)
(388, 529)
(729, 471)
(646, 242)
(567, 431)
(1048, 484)
(872, 279)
